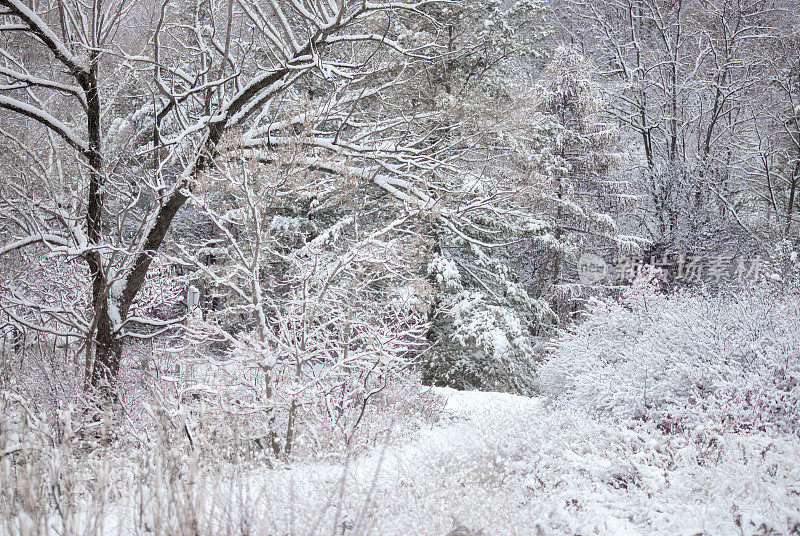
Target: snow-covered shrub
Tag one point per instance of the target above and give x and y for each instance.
(781, 267)
(315, 311)
(686, 361)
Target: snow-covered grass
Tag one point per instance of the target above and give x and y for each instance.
(512, 465)
(497, 463)
(659, 415)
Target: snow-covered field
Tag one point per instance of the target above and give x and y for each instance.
(674, 416)
(505, 465)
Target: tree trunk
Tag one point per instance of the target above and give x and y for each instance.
(104, 369)
(792, 196)
(107, 347)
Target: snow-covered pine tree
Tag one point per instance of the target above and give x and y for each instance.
(496, 286)
(483, 318)
(583, 194)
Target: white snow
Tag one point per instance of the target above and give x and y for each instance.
(507, 465)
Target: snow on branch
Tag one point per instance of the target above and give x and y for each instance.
(46, 35)
(30, 80)
(30, 240)
(45, 119)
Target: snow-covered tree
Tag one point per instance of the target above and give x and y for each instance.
(120, 108)
(585, 192)
(685, 81)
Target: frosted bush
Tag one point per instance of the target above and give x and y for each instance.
(686, 361)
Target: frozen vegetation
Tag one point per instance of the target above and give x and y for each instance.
(652, 436)
(399, 267)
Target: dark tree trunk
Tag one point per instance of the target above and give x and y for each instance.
(102, 375)
(107, 358)
(107, 347)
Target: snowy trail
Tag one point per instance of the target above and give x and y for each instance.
(466, 415)
(499, 464)
(507, 464)
(481, 455)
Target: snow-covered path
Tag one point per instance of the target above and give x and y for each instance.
(506, 465)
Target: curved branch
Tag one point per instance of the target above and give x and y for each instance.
(30, 240)
(46, 35)
(30, 80)
(45, 119)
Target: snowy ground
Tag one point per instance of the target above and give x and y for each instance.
(507, 465)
